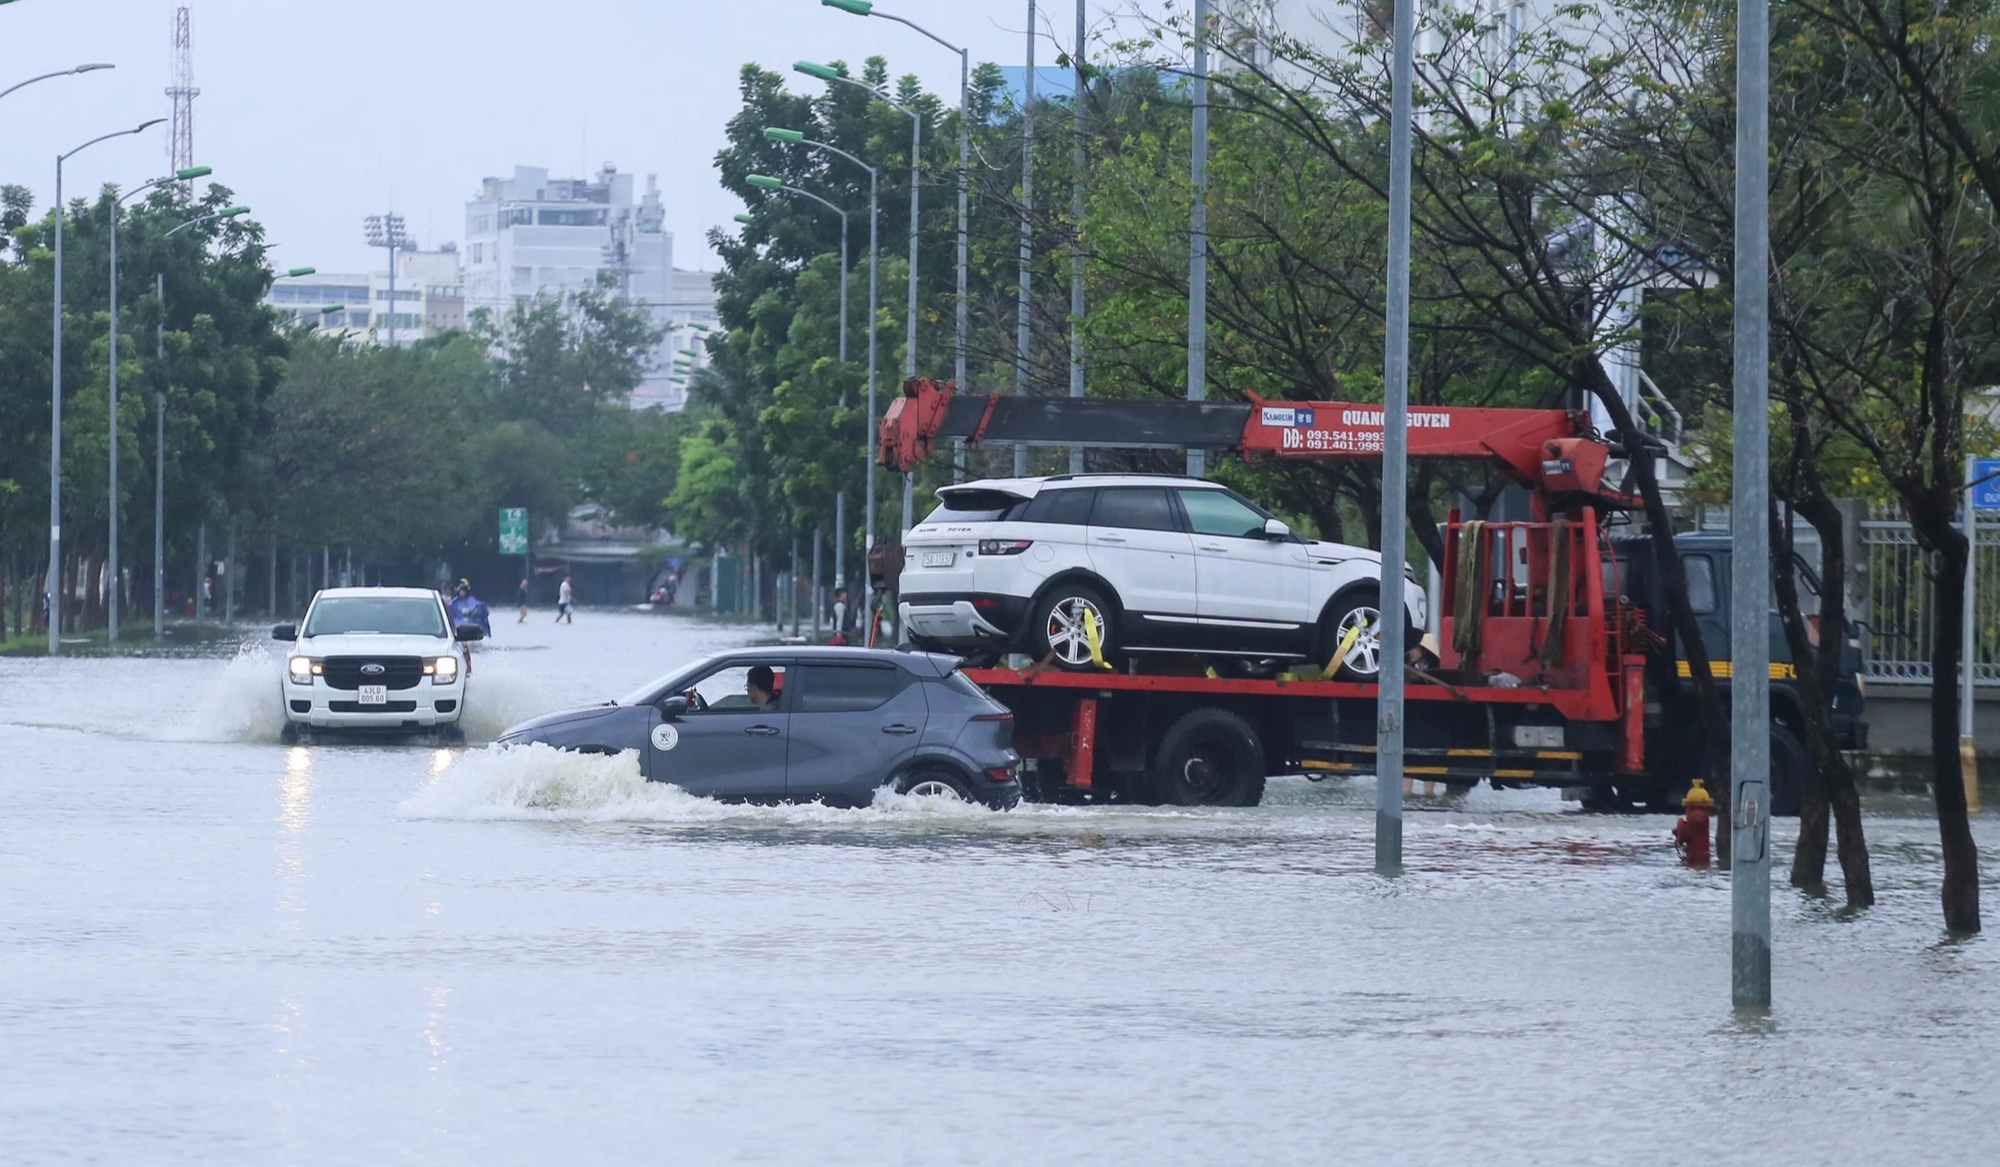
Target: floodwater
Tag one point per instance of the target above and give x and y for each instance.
(217, 949)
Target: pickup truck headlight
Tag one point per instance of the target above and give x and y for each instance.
(302, 669)
(443, 669)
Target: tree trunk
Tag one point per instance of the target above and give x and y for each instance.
(1960, 893)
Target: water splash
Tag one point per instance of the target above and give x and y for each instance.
(537, 782)
(241, 703)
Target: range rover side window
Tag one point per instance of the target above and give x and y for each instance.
(1071, 507)
(1135, 508)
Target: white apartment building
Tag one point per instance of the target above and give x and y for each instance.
(532, 235)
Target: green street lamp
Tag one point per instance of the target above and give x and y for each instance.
(185, 174)
(867, 8)
(296, 272)
(689, 353)
(746, 219)
(699, 327)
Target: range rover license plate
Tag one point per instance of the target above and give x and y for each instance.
(373, 695)
(937, 558)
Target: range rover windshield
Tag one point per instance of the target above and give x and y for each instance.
(376, 616)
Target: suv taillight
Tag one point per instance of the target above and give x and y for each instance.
(1004, 546)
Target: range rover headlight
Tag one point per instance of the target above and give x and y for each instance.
(443, 670)
(302, 669)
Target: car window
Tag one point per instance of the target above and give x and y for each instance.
(1135, 508)
(376, 615)
(727, 690)
(1701, 583)
(1060, 506)
(1216, 512)
(848, 688)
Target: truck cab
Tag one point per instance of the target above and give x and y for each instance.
(1670, 710)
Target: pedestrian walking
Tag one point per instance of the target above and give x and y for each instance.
(565, 598)
(839, 617)
(521, 598)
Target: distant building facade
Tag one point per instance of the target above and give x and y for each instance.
(531, 235)
(429, 299)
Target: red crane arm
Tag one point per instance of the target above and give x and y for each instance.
(1551, 450)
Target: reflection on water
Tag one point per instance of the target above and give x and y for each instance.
(487, 956)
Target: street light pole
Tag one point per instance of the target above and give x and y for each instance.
(1076, 224)
(1197, 368)
(52, 594)
(1750, 584)
(1391, 612)
(160, 462)
(1021, 333)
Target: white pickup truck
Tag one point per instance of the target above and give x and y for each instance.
(375, 659)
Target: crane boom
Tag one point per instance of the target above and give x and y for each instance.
(1554, 451)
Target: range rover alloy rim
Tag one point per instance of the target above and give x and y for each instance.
(1065, 629)
(1364, 657)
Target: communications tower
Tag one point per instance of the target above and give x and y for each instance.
(180, 148)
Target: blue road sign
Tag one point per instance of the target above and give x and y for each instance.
(1986, 472)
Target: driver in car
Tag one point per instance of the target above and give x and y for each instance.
(761, 687)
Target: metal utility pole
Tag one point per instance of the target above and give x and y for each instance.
(1749, 507)
(1076, 224)
(1197, 376)
(1021, 337)
(1395, 457)
(160, 465)
(111, 435)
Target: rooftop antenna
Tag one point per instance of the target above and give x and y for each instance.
(180, 147)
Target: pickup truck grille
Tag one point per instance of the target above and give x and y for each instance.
(398, 672)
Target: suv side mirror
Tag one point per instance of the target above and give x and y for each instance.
(284, 632)
(673, 706)
(1276, 529)
(468, 632)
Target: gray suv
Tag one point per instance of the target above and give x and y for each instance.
(805, 724)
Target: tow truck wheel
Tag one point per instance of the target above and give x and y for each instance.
(1209, 757)
(1788, 770)
(1059, 626)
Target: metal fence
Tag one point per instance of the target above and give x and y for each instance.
(1898, 596)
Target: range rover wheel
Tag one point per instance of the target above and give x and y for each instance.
(1354, 624)
(1058, 626)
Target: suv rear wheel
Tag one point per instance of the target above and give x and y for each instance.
(1057, 627)
(1350, 635)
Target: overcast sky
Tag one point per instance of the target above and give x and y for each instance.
(318, 114)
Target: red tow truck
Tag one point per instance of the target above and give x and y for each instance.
(1547, 674)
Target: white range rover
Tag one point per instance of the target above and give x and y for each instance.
(375, 658)
(1162, 564)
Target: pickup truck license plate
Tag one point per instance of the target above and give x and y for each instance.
(937, 558)
(374, 695)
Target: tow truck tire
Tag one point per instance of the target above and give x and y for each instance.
(1209, 757)
(1789, 761)
(1063, 606)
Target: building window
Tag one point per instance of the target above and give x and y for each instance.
(584, 218)
(524, 277)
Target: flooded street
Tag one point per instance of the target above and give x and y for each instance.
(219, 949)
